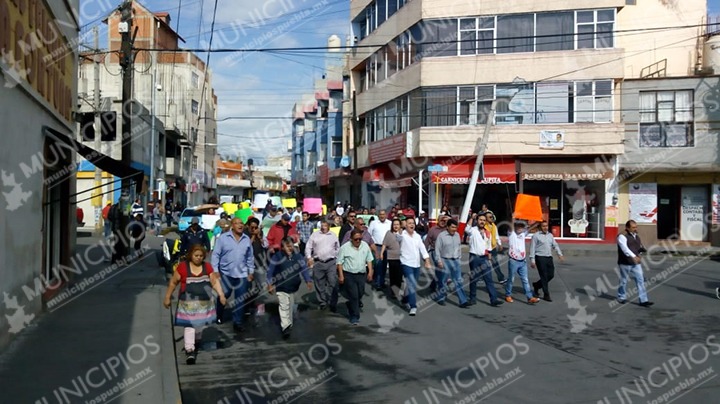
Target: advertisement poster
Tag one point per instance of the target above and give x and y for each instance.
(692, 212)
(716, 204)
(643, 202)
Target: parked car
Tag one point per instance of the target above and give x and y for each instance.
(195, 211)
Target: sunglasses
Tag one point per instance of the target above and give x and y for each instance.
(357, 239)
(351, 216)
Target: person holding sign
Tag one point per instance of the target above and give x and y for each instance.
(517, 263)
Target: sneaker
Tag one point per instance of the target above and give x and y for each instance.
(504, 281)
(533, 300)
(496, 303)
(717, 292)
(413, 311)
(354, 321)
(509, 299)
(286, 332)
(622, 301)
(464, 305)
(646, 304)
(190, 357)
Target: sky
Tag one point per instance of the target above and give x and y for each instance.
(251, 84)
(714, 6)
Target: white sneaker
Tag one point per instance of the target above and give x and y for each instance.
(413, 311)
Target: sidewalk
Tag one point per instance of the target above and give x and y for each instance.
(106, 337)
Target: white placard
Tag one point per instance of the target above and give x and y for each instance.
(643, 202)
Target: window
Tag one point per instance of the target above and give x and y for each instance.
(194, 107)
(436, 37)
(666, 119)
(554, 31)
(554, 103)
(439, 107)
(474, 104)
(391, 53)
(336, 148)
(381, 11)
(195, 80)
(515, 104)
(593, 101)
(515, 33)
(195, 162)
(595, 29)
(476, 35)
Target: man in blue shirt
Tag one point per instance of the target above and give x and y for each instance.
(233, 259)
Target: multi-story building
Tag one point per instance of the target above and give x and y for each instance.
(668, 179)
(175, 86)
(233, 180)
(38, 94)
(317, 137)
(426, 74)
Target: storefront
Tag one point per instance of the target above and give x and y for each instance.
(496, 188)
(572, 195)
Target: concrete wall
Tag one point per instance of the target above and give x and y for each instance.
(705, 155)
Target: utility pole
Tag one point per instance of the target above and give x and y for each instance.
(97, 126)
(480, 147)
(126, 65)
(153, 89)
(355, 146)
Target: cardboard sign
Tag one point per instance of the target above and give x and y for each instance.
(207, 222)
(324, 212)
(528, 207)
(244, 214)
(277, 201)
(290, 203)
(312, 205)
(260, 200)
(244, 205)
(230, 208)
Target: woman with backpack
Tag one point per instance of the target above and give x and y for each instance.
(196, 306)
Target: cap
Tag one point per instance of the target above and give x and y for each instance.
(273, 208)
(108, 202)
(195, 220)
(422, 212)
(286, 217)
(339, 203)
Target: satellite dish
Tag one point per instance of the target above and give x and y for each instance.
(345, 162)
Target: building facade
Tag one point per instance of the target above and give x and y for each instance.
(38, 93)
(176, 87)
(426, 74)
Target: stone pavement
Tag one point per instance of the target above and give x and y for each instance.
(111, 340)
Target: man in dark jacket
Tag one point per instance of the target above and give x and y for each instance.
(280, 231)
(630, 248)
(284, 272)
(194, 235)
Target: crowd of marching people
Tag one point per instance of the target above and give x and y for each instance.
(338, 254)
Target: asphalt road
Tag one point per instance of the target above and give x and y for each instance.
(580, 348)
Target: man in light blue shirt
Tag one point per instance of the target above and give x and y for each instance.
(233, 259)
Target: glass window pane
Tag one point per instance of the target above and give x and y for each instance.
(486, 22)
(647, 102)
(666, 96)
(391, 7)
(676, 135)
(583, 88)
(467, 23)
(606, 15)
(585, 16)
(554, 31)
(683, 99)
(647, 117)
(651, 136)
(515, 33)
(603, 109)
(468, 43)
(552, 102)
(485, 93)
(382, 11)
(665, 111)
(603, 87)
(584, 109)
(586, 37)
(485, 42)
(605, 35)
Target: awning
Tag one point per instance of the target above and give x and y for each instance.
(494, 171)
(102, 161)
(402, 182)
(566, 171)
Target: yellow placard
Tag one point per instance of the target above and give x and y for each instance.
(324, 209)
(335, 230)
(230, 208)
(244, 205)
(290, 203)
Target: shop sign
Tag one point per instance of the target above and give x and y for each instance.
(563, 176)
(643, 202)
(552, 139)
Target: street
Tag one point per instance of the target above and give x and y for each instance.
(608, 353)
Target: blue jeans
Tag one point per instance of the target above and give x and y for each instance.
(240, 286)
(107, 228)
(411, 276)
(452, 269)
(480, 268)
(637, 274)
(496, 265)
(379, 269)
(519, 267)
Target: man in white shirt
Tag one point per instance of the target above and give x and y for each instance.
(378, 229)
(480, 267)
(412, 252)
(517, 262)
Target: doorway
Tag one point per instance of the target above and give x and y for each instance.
(668, 217)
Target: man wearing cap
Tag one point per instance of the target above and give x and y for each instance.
(194, 235)
(279, 231)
